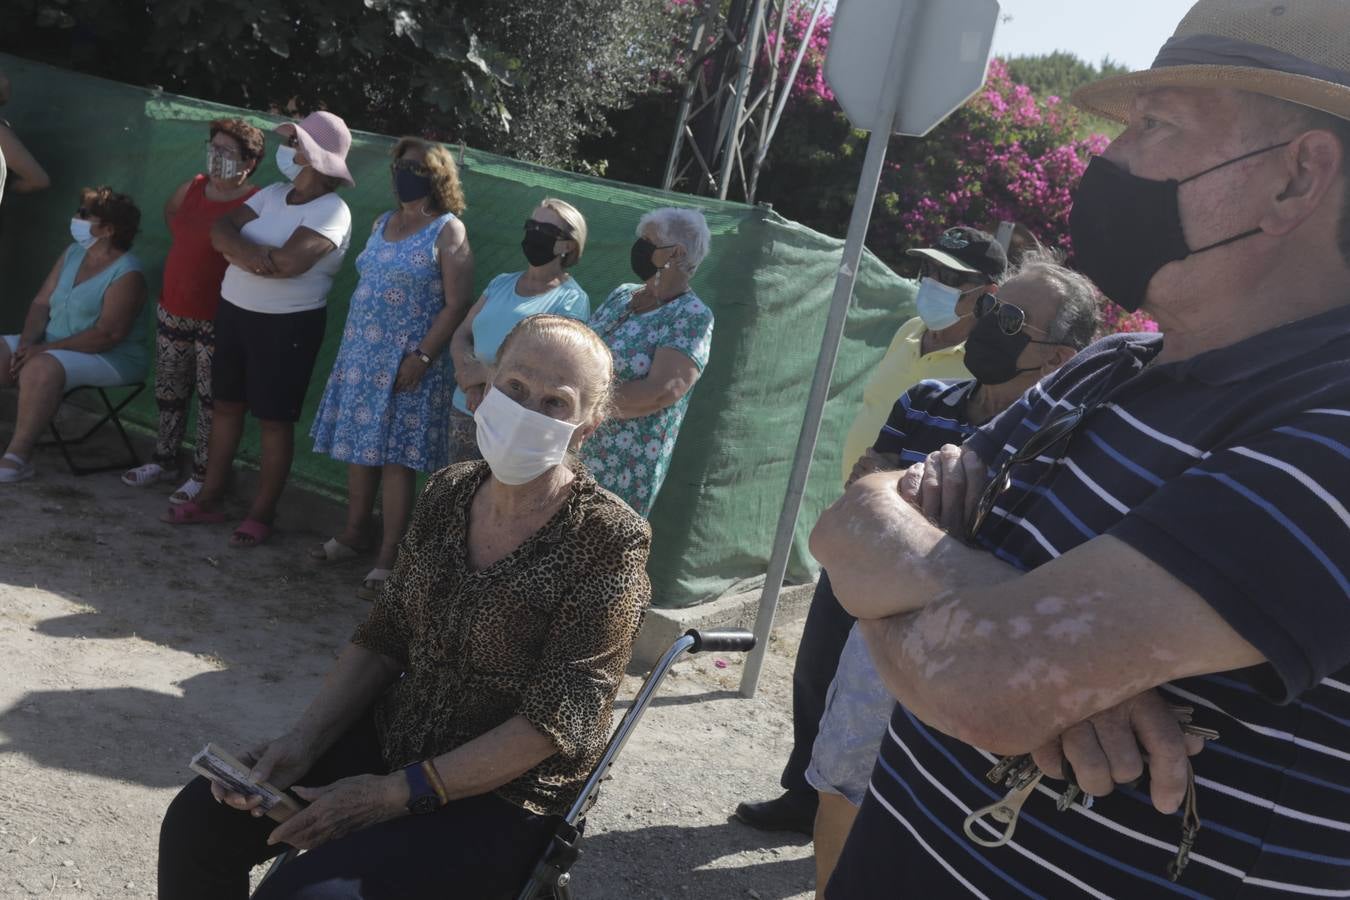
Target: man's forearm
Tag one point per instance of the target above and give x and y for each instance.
(885, 558)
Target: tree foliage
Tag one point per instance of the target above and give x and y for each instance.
(513, 76)
(1059, 74)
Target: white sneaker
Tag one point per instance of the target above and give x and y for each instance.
(143, 476)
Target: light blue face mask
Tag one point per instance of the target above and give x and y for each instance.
(936, 304)
(81, 232)
(286, 162)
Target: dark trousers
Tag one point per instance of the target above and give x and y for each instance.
(479, 847)
(823, 638)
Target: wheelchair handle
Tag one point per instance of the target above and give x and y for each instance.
(727, 640)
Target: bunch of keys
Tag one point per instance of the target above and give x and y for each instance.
(1020, 775)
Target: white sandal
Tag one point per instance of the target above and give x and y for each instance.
(187, 492)
(143, 476)
(24, 469)
(334, 551)
(373, 584)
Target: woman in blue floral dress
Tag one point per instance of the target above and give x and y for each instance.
(384, 409)
(660, 333)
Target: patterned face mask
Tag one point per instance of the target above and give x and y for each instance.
(219, 165)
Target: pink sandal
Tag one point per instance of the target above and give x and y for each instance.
(249, 534)
(191, 514)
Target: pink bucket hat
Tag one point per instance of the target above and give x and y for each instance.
(325, 140)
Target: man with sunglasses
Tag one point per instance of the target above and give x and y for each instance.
(1157, 531)
(963, 264)
(1043, 315)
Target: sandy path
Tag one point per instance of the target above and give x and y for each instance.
(125, 644)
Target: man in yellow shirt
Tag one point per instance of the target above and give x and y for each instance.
(962, 265)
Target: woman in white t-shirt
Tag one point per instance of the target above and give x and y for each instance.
(284, 246)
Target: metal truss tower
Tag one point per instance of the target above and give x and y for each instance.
(734, 94)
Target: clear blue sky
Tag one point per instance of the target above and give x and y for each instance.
(1129, 31)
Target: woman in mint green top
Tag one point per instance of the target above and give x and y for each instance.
(555, 238)
(85, 327)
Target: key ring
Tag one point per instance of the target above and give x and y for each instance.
(1005, 812)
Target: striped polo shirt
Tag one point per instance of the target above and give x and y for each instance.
(928, 415)
(1231, 470)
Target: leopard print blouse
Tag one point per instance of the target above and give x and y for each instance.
(544, 633)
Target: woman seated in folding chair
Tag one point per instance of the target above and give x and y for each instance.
(469, 708)
(84, 327)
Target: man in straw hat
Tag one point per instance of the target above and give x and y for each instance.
(1161, 526)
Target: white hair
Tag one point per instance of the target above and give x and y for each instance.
(677, 225)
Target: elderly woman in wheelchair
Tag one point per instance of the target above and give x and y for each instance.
(466, 713)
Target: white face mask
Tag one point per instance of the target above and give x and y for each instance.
(519, 444)
(286, 162)
(937, 304)
(80, 230)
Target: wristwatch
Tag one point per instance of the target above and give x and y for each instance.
(417, 352)
(425, 795)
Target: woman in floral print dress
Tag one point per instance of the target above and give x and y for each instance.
(660, 333)
(385, 407)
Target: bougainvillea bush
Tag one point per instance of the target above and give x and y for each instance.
(1008, 154)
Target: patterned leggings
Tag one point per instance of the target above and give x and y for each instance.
(183, 351)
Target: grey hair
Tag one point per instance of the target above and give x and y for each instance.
(678, 225)
(1076, 323)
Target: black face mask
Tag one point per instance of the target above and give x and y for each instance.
(640, 258)
(410, 186)
(991, 355)
(538, 247)
(1125, 228)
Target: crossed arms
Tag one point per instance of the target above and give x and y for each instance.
(1016, 662)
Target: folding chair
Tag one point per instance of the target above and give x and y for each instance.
(110, 414)
(552, 875)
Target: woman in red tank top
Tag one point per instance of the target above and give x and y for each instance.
(185, 336)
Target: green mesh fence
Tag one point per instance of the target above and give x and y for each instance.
(767, 280)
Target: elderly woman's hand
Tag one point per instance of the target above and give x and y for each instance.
(22, 355)
(279, 763)
(410, 373)
(342, 807)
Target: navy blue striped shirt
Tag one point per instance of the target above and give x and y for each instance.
(1230, 470)
(928, 415)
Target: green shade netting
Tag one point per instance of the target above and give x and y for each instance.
(768, 280)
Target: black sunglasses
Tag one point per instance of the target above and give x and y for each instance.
(83, 212)
(293, 141)
(949, 277)
(408, 165)
(1011, 319)
(548, 228)
(1057, 428)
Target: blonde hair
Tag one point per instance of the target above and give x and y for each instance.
(598, 387)
(447, 193)
(576, 226)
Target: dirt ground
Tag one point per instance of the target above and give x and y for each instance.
(126, 644)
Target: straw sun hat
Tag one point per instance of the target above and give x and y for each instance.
(1296, 50)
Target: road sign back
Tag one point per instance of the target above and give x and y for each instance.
(946, 49)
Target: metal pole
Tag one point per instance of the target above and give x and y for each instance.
(687, 96)
(829, 346)
(766, 136)
(733, 122)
